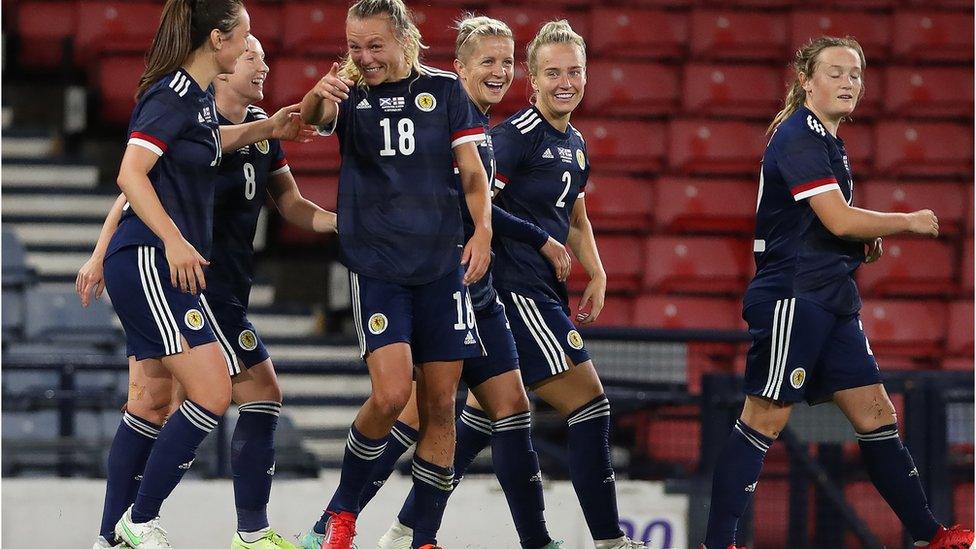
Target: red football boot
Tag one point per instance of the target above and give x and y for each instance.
(340, 531)
(953, 537)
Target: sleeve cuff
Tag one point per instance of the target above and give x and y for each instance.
(813, 188)
(469, 135)
(147, 141)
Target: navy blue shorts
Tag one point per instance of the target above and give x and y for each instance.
(239, 341)
(153, 312)
(801, 351)
(496, 335)
(436, 319)
(544, 336)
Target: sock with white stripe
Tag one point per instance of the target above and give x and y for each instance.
(171, 457)
(517, 468)
(590, 468)
(473, 435)
(893, 472)
(361, 456)
(252, 460)
(401, 438)
(432, 485)
(734, 482)
(133, 441)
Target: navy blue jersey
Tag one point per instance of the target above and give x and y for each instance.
(796, 256)
(482, 292)
(178, 121)
(241, 189)
(399, 219)
(540, 173)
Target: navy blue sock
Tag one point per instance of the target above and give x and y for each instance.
(133, 441)
(517, 468)
(432, 485)
(894, 474)
(357, 464)
(590, 468)
(734, 482)
(171, 457)
(252, 459)
(401, 438)
(473, 435)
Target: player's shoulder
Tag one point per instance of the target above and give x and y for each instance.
(801, 127)
(576, 134)
(437, 75)
(173, 89)
(255, 112)
(524, 126)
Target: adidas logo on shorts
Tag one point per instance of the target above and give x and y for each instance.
(752, 487)
(186, 466)
(469, 339)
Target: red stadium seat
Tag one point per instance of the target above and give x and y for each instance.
(947, 200)
(771, 498)
(674, 440)
(967, 267)
(617, 311)
(43, 28)
(910, 267)
(292, 77)
(119, 27)
(933, 35)
(706, 146)
(704, 205)
(858, 140)
(960, 339)
(701, 265)
(641, 33)
(320, 190)
(622, 259)
(525, 22)
(871, 29)
(118, 78)
(434, 23)
(314, 27)
(904, 328)
(321, 154)
(622, 145)
(619, 203)
(929, 91)
(640, 89)
(872, 509)
(687, 313)
(962, 504)
(721, 34)
(266, 26)
(924, 148)
(732, 90)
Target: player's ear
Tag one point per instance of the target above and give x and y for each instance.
(459, 67)
(216, 39)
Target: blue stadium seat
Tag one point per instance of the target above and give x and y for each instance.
(16, 271)
(57, 315)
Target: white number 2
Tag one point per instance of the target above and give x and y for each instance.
(406, 142)
(250, 183)
(464, 321)
(568, 180)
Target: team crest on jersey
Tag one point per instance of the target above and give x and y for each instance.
(574, 339)
(247, 340)
(193, 319)
(797, 377)
(378, 323)
(425, 102)
(263, 146)
(391, 104)
(581, 159)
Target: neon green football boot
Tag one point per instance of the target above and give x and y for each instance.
(271, 540)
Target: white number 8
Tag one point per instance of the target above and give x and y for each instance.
(250, 183)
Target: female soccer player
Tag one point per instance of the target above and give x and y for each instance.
(485, 62)
(542, 169)
(244, 177)
(802, 306)
(154, 262)
(401, 126)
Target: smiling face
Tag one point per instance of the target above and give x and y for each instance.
(248, 79)
(487, 69)
(559, 79)
(374, 49)
(231, 45)
(836, 85)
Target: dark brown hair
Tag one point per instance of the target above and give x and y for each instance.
(183, 27)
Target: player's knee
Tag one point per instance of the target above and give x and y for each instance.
(153, 411)
(511, 405)
(439, 404)
(390, 402)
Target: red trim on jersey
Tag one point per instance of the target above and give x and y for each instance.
(501, 177)
(146, 137)
(464, 133)
(813, 185)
